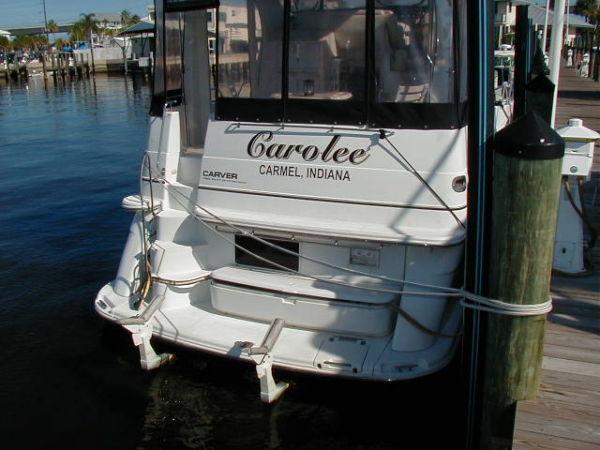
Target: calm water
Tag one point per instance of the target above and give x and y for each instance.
(68, 155)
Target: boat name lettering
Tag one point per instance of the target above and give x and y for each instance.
(216, 174)
(261, 146)
(309, 172)
(282, 171)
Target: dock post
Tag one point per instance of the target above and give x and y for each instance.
(92, 53)
(23, 71)
(44, 65)
(61, 64)
(79, 65)
(526, 185)
(54, 68)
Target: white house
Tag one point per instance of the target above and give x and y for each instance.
(109, 21)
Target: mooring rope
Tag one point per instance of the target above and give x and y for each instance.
(467, 299)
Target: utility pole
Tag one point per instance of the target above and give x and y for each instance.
(47, 40)
(545, 35)
(556, 41)
(92, 52)
(567, 25)
(46, 22)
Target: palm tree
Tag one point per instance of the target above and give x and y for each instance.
(128, 19)
(52, 27)
(591, 10)
(59, 44)
(125, 18)
(588, 8)
(77, 32)
(89, 25)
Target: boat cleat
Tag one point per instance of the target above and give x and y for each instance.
(270, 390)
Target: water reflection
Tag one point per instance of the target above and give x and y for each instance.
(68, 154)
(208, 402)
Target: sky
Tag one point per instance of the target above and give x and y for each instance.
(15, 13)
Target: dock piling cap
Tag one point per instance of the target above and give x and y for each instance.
(529, 137)
(575, 131)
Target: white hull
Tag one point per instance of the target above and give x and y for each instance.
(315, 218)
(317, 352)
(330, 329)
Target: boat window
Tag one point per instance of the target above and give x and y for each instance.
(158, 80)
(388, 63)
(413, 51)
(250, 45)
(167, 61)
(196, 108)
(174, 29)
(327, 50)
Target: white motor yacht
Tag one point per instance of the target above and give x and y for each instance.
(302, 198)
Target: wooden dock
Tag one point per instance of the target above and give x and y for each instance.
(58, 66)
(566, 414)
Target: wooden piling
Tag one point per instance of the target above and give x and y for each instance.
(61, 66)
(526, 186)
(79, 66)
(92, 53)
(23, 72)
(44, 65)
(54, 68)
(13, 71)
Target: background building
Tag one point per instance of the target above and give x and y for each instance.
(505, 16)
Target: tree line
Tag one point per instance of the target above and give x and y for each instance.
(590, 9)
(81, 31)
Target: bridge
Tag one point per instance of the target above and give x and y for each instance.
(35, 29)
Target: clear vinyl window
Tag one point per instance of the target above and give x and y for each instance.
(174, 29)
(327, 49)
(250, 46)
(413, 51)
(382, 62)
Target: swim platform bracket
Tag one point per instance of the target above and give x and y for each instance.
(140, 328)
(270, 390)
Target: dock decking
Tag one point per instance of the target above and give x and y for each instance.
(566, 414)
